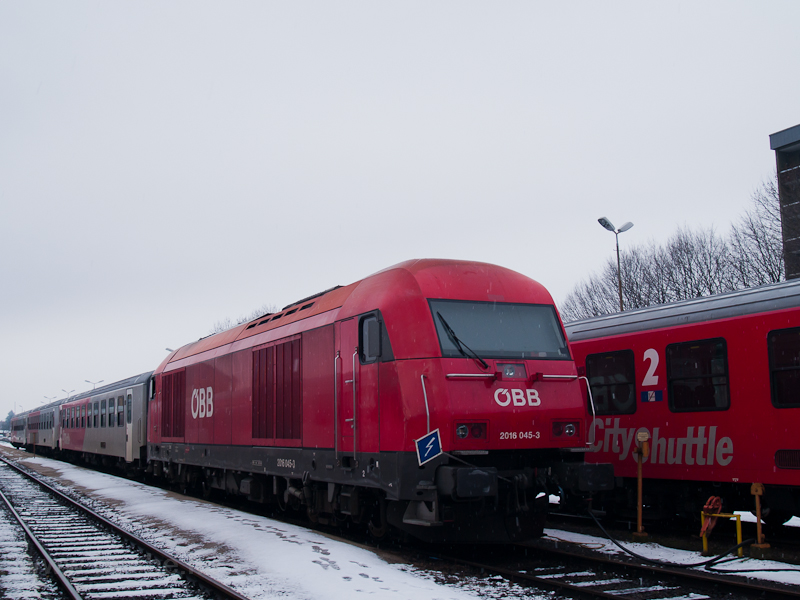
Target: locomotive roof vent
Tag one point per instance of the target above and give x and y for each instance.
(273, 317)
(336, 287)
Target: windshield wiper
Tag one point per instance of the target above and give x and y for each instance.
(462, 347)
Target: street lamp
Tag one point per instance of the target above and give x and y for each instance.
(94, 385)
(67, 392)
(610, 226)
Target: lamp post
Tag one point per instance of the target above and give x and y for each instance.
(67, 392)
(610, 226)
(94, 385)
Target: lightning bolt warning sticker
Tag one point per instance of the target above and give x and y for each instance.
(429, 446)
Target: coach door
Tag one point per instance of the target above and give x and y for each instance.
(130, 434)
(346, 392)
(357, 393)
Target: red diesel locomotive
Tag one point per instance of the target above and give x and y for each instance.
(715, 382)
(438, 397)
(320, 405)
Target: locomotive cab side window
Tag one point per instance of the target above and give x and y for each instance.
(697, 376)
(612, 378)
(784, 367)
(374, 340)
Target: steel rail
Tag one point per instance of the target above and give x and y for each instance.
(182, 567)
(63, 580)
(719, 582)
(706, 578)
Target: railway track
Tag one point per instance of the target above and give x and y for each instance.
(571, 575)
(574, 575)
(89, 556)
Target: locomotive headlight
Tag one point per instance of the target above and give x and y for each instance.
(512, 370)
(471, 430)
(565, 429)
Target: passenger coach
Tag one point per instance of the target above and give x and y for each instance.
(715, 382)
(107, 425)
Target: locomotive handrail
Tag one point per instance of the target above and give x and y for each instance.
(425, 395)
(569, 377)
(469, 375)
(594, 414)
(336, 405)
(355, 431)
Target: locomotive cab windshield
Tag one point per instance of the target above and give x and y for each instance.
(499, 330)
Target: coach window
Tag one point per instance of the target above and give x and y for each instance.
(95, 414)
(120, 411)
(102, 413)
(784, 367)
(111, 414)
(697, 376)
(130, 408)
(613, 382)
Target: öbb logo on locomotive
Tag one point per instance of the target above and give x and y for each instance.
(316, 408)
(202, 403)
(517, 396)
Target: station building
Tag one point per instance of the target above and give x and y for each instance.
(786, 145)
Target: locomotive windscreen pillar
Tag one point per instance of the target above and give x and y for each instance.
(786, 144)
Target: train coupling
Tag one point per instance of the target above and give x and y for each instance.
(466, 483)
(583, 478)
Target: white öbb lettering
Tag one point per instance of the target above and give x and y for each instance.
(505, 397)
(202, 403)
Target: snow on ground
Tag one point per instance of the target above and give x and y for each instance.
(748, 567)
(262, 558)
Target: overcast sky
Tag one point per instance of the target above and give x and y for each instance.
(164, 166)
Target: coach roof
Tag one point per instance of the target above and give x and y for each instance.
(766, 298)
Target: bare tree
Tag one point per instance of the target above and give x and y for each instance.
(228, 323)
(698, 265)
(692, 263)
(756, 240)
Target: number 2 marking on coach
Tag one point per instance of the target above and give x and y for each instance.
(650, 377)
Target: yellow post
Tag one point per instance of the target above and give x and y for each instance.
(642, 451)
(757, 549)
(705, 537)
(738, 518)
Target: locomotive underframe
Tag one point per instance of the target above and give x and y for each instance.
(495, 499)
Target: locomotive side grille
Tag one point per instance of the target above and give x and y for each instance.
(172, 418)
(787, 459)
(277, 392)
